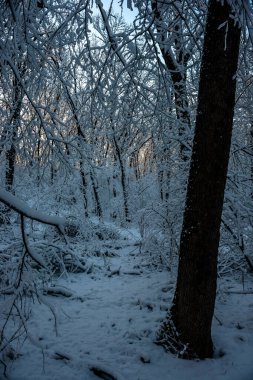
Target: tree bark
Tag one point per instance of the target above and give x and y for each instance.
(98, 208)
(251, 143)
(187, 329)
(10, 167)
(12, 135)
(123, 180)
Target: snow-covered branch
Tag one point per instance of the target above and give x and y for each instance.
(22, 208)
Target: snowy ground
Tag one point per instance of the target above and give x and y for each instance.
(110, 322)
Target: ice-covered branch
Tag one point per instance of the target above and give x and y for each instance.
(116, 48)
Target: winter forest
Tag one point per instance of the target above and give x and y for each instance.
(126, 195)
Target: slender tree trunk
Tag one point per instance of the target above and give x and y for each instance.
(134, 163)
(9, 138)
(177, 65)
(251, 171)
(84, 187)
(182, 109)
(114, 210)
(98, 207)
(12, 135)
(123, 181)
(10, 167)
(188, 327)
(81, 135)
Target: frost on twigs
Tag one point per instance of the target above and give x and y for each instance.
(29, 262)
(158, 225)
(18, 292)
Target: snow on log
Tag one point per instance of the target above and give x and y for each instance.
(58, 291)
(22, 208)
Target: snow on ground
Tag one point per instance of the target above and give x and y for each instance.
(110, 323)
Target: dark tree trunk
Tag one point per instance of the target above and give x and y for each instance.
(123, 181)
(251, 143)
(98, 208)
(188, 327)
(182, 109)
(84, 188)
(12, 135)
(10, 167)
(8, 137)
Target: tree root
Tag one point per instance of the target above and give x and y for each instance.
(169, 338)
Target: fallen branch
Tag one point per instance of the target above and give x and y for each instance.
(61, 356)
(102, 374)
(239, 292)
(132, 273)
(58, 291)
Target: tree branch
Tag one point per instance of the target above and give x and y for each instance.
(23, 209)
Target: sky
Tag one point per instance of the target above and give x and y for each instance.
(126, 13)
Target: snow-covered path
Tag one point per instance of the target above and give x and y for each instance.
(110, 323)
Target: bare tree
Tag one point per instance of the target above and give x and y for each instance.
(188, 327)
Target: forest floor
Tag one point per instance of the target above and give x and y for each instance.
(107, 326)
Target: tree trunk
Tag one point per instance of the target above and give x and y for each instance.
(251, 171)
(98, 208)
(10, 167)
(12, 135)
(82, 138)
(84, 187)
(123, 181)
(177, 65)
(187, 329)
